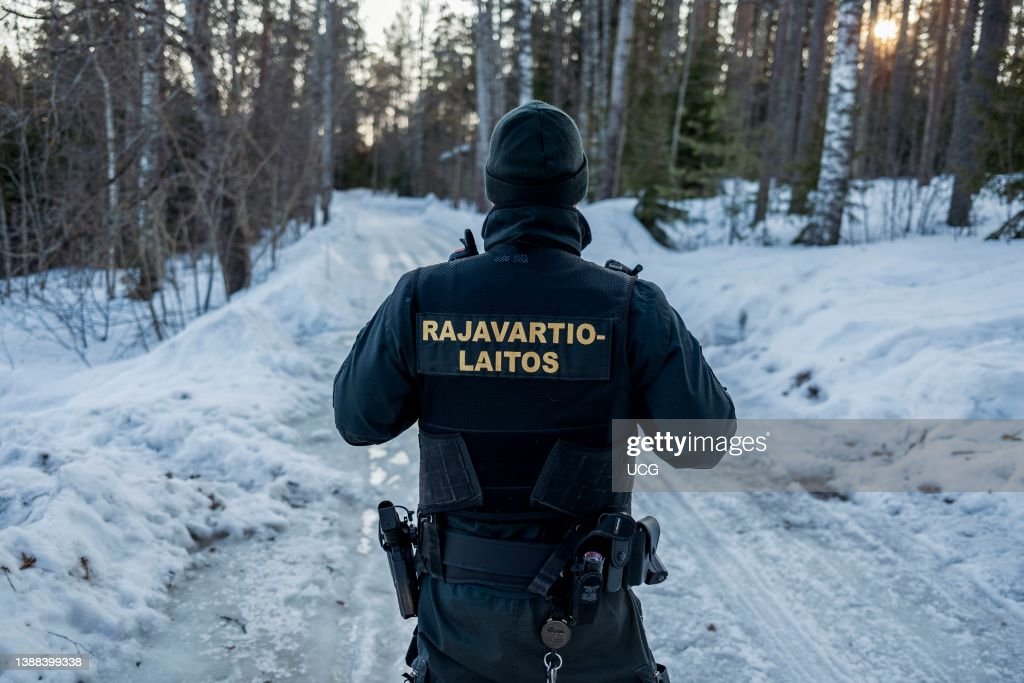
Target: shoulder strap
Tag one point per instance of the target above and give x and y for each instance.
(612, 264)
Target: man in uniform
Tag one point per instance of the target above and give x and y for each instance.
(514, 361)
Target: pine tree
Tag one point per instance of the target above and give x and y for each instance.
(809, 129)
(702, 144)
(936, 96)
(972, 100)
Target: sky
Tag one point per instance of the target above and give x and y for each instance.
(376, 15)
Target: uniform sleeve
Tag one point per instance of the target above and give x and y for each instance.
(375, 395)
(671, 376)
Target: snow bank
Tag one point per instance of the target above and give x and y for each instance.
(112, 475)
(876, 210)
(924, 327)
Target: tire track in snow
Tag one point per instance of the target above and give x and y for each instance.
(857, 618)
(945, 627)
(795, 651)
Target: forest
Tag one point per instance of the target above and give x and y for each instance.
(203, 202)
(156, 150)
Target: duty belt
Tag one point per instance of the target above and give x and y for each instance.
(458, 557)
(474, 559)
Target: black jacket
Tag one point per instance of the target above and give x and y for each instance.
(375, 391)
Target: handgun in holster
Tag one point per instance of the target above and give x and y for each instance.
(397, 536)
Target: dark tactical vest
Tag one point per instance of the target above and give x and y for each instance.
(521, 361)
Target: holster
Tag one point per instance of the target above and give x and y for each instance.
(645, 567)
(397, 538)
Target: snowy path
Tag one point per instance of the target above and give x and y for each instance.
(801, 589)
(315, 599)
(762, 587)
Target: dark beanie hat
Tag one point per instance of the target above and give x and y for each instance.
(536, 155)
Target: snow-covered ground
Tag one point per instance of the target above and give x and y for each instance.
(189, 514)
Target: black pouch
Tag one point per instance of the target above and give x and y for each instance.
(447, 479)
(577, 480)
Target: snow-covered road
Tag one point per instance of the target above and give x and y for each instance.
(284, 581)
(311, 602)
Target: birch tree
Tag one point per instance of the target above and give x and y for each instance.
(615, 126)
(836, 153)
(110, 143)
(151, 260)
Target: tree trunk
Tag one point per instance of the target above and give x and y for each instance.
(616, 124)
(810, 101)
(258, 120)
(972, 101)
(525, 52)
(558, 54)
(771, 138)
(233, 13)
(484, 36)
(151, 260)
(789, 108)
(216, 196)
(896, 130)
(684, 81)
(110, 143)
(836, 153)
(670, 33)
(418, 172)
(601, 87)
(589, 51)
(961, 83)
(499, 100)
(6, 246)
(739, 78)
(864, 141)
(326, 47)
(936, 96)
